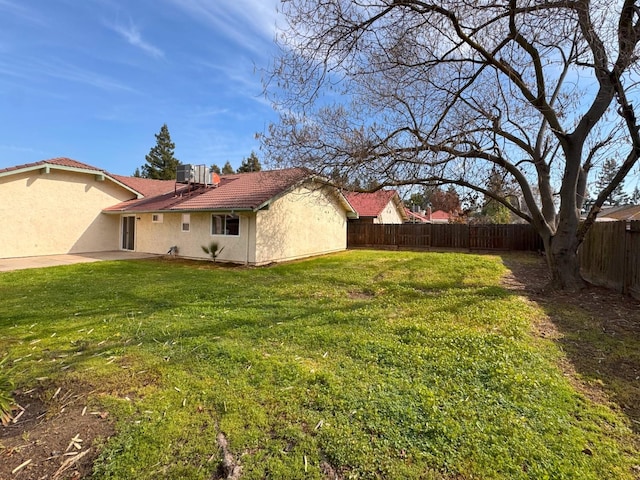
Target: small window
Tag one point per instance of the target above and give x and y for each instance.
(225, 225)
(156, 218)
(186, 222)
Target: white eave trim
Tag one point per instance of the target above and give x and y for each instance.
(188, 210)
(46, 168)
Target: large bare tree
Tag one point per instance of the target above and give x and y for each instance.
(452, 92)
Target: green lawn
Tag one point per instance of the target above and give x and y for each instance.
(379, 364)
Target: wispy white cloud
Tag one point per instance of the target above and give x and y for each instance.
(249, 23)
(132, 35)
(18, 149)
(34, 70)
(73, 73)
(244, 82)
(19, 10)
(210, 112)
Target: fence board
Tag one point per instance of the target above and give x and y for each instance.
(455, 236)
(632, 277)
(610, 256)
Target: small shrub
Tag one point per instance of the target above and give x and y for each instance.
(7, 402)
(212, 250)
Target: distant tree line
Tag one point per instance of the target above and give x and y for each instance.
(249, 164)
(161, 163)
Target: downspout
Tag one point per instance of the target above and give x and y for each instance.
(246, 262)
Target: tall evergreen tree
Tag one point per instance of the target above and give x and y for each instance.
(250, 164)
(227, 169)
(416, 201)
(215, 169)
(609, 169)
(137, 173)
(635, 196)
(161, 163)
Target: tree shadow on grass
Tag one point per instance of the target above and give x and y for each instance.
(598, 329)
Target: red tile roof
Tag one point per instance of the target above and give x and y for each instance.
(370, 204)
(440, 215)
(143, 186)
(245, 191)
(147, 186)
(242, 191)
(416, 217)
(62, 161)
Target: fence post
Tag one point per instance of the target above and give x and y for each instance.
(626, 270)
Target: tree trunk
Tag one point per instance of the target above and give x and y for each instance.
(562, 259)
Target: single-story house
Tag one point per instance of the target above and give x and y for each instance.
(382, 206)
(623, 212)
(64, 206)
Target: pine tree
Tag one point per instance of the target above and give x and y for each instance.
(215, 169)
(161, 163)
(250, 164)
(608, 171)
(416, 202)
(227, 169)
(635, 196)
(137, 173)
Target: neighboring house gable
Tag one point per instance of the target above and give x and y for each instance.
(54, 207)
(382, 206)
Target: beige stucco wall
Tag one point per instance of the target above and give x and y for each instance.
(57, 213)
(159, 237)
(389, 214)
(307, 221)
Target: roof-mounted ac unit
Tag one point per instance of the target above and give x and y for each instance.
(188, 173)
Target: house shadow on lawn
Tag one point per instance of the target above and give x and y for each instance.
(598, 329)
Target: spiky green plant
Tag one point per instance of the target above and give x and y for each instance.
(212, 250)
(7, 403)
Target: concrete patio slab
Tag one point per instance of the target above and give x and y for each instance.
(8, 264)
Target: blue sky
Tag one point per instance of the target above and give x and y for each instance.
(94, 80)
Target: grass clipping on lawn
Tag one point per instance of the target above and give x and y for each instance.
(356, 365)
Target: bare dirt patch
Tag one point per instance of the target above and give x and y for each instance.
(56, 435)
(598, 329)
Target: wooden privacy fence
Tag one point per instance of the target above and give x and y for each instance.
(429, 235)
(610, 256)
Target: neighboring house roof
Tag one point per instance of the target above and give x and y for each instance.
(242, 191)
(139, 186)
(626, 212)
(440, 215)
(372, 204)
(416, 217)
